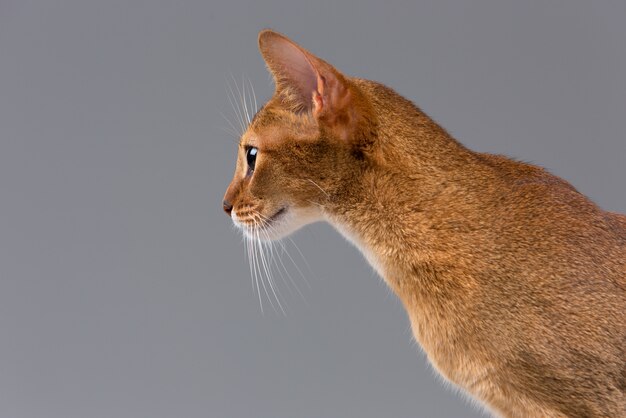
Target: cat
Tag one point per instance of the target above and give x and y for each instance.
(513, 281)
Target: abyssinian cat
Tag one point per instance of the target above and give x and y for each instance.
(513, 281)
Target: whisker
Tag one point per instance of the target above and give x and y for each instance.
(315, 203)
(249, 110)
(252, 258)
(244, 111)
(233, 130)
(267, 272)
(232, 98)
(265, 260)
(261, 265)
(252, 265)
(256, 108)
(296, 266)
(260, 272)
(230, 133)
(270, 227)
(246, 251)
(284, 251)
(284, 268)
(243, 99)
(268, 244)
(318, 186)
(303, 259)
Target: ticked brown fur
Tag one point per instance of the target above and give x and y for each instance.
(513, 281)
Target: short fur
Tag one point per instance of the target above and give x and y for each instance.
(514, 282)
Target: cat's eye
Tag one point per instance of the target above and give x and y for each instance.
(251, 153)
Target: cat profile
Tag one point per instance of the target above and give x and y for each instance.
(513, 281)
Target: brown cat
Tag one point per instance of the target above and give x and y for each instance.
(514, 282)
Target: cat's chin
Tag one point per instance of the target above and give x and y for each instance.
(282, 223)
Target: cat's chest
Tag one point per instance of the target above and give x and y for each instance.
(452, 351)
(432, 308)
(452, 341)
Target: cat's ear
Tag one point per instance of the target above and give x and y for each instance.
(305, 81)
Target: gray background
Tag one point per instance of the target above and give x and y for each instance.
(124, 291)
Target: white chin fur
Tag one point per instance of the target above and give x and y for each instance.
(287, 223)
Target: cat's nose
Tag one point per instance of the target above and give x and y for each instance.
(228, 207)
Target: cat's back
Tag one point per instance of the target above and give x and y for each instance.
(534, 190)
(541, 215)
(557, 285)
(619, 223)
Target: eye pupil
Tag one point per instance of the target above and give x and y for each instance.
(251, 157)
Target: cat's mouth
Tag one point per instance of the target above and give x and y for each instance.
(279, 224)
(276, 216)
(250, 220)
(269, 227)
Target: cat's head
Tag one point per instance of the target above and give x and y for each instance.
(304, 147)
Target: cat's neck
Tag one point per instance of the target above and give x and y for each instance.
(397, 231)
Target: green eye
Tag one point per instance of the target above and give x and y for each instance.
(251, 157)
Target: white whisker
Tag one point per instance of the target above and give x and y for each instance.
(230, 133)
(296, 265)
(256, 108)
(303, 259)
(318, 186)
(246, 98)
(253, 271)
(232, 98)
(240, 99)
(284, 268)
(284, 249)
(243, 99)
(315, 203)
(232, 130)
(267, 272)
(265, 260)
(257, 276)
(260, 262)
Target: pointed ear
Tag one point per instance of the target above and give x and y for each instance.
(305, 81)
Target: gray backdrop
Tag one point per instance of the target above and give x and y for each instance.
(124, 291)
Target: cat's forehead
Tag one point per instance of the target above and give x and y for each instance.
(266, 137)
(270, 127)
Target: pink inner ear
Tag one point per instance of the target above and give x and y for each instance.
(295, 69)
